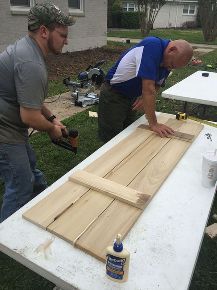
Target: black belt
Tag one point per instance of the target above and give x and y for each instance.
(107, 83)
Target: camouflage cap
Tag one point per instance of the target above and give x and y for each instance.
(46, 14)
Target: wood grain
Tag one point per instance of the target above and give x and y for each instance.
(51, 207)
(91, 220)
(177, 135)
(110, 188)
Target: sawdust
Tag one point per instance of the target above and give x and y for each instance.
(62, 106)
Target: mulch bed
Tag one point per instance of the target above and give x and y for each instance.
(71, 63)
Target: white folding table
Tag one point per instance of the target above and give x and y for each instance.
(164, 243)
(200, 88)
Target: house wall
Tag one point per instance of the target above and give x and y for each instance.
(89, 30)
(170, 15)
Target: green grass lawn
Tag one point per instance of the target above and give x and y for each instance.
(193, 36)
(55, 162)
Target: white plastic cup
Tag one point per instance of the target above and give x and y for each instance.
(209, 169)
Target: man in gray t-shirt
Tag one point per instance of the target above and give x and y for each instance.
(23, 88)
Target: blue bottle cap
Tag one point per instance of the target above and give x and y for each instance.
(118, 246)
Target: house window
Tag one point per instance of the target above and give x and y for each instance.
(74, 4)
(76, 7)
(21, 6)
(189, 9)
(24, 3)
(129, 7)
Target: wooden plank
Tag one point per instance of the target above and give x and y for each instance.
(105, 163)
(177, 135)
(153, 175)
(112, 189)
(128, 169)
(51, 207)
(79, 217)
(117, 219)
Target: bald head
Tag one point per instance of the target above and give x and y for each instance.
(177, 54)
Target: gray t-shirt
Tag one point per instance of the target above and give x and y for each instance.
(23, 83)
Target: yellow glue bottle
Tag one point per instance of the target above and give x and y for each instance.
(117, 261)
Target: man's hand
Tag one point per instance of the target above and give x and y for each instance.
(162, 130)
(57, 122)
(55, 132)
(138, 105)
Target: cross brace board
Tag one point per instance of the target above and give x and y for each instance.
(113, 189)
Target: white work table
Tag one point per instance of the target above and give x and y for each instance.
(164, 242)
(195, 88)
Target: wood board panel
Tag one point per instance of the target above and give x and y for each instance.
(49, 208)
(75, 232)
(125, 167)
(65, 196)
(148, 180)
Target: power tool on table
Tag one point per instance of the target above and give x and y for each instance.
(83, 90)
(70, 141)
(181, 116)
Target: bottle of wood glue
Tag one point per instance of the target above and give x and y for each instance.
(117, 262)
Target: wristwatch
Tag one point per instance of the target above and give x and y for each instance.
(51, 118)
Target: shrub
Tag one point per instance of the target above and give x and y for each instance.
(130, 20)
(189, 25)
(120, 19)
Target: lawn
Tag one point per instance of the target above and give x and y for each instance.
(55, 162)
(193, 36)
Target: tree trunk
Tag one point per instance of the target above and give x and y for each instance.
(208, 18)
(148, 11)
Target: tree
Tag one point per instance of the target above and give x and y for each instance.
(148, 10)
(114, 6)
(208, 18)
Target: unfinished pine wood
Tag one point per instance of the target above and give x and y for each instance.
(148, 180)
(52, 206)
(78, 218)
(105, 163)
(57, 203)
(72, 232)
(101, 234)
(112, 189)
(129, 164)
(177, 135)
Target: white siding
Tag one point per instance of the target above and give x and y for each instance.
(171, 15)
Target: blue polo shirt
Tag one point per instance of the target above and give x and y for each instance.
(142, 61)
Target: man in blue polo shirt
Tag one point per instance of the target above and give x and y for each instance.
(132, 83)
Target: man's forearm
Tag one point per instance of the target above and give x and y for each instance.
(46, 112)
(149, 95)
(149, 108)
(35, 119)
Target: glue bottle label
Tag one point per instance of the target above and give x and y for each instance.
(115, 267)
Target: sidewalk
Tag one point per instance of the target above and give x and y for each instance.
(195, 45)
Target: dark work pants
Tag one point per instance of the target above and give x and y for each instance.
(114, 113)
